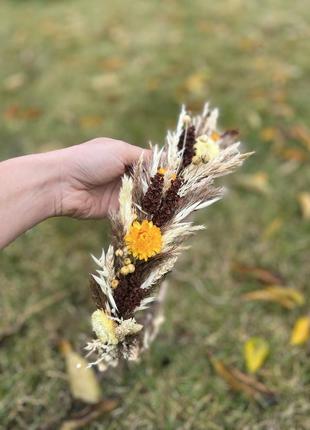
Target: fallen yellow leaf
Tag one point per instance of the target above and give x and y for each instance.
(256, 351)
(287, 297)
(82, 379)
(112, 63)
(258, 182)
(302, 134)
(90, 121)
(301, 331)
(195, 83)
(269, 134)
(304, 202)
(292, 154)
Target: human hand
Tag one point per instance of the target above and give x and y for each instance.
(90, 177)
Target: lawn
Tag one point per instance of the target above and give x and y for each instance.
(74, 70)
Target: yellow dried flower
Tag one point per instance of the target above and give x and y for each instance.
(124, 270)
(131, 268)
(162, 171)
(104, 327)
(144, 240)
(206, 148)
(215, 136)
(127, 261)
(114, 283)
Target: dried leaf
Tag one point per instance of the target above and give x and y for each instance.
(270, 134)
(272, 229)
(195, 83)
(18, 112)
(90, 121)
(14, 82)
(301, 133)
(292, 154)
(258, 273)
(82, 379)
(304, 202)
(112, 64)
(104, 81)
(301, 331)
(256, 351)
(243, 383)
(286, 297)
(257, 182)
(79, 421)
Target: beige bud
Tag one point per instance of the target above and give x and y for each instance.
(125, 250)
(119, 253)
(125, 270)
(127, 261)
(196, 159)
(187, 119)
(131, 268)
(114, 283)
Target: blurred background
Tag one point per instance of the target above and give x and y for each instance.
(74, 70)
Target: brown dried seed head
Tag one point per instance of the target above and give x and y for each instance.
(152, 198)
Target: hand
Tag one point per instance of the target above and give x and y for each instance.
(90, 176)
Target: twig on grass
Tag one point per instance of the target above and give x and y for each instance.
(32, 310)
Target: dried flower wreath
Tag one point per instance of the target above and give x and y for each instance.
(156, 198)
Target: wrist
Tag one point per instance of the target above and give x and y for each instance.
(36, 182)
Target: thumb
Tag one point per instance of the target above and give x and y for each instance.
(133, 153)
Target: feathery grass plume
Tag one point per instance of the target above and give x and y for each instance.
(148, 232)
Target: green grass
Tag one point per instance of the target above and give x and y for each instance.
(121, 69)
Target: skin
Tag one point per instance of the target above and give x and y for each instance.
(81, 181)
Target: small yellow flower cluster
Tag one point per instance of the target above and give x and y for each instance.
(104, 327)
(127, 265)
(206, 148)
(110, 332)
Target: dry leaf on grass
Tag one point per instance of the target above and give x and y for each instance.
(14, 112)
(301, 133)
(112, 64)
(270, 134)
(257, 182)
(195, 83)
(292, 154)
(272, 228)
(90, 121)
(82, 379)
(243, 383)
(287, 297)
(14, 82)
(301, 331)
(256, 351)
(258, 273)
(304, 203)
(90, 414)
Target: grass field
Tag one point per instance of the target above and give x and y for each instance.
(74, 70)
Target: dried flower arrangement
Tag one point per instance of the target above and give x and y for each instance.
(148, 231)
